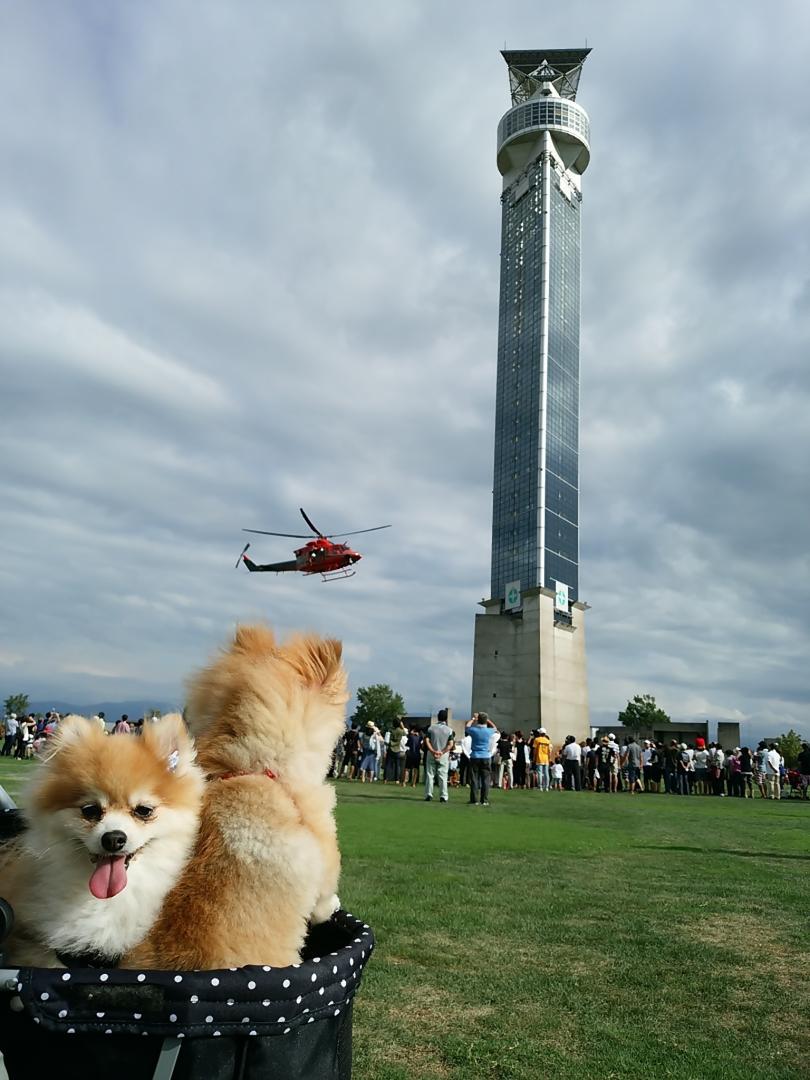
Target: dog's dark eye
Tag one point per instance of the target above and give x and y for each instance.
(91, 812)
(143, 812)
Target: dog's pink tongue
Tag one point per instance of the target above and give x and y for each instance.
(109, 877)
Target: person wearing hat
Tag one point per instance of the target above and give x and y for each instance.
(11, 734)
(370, 742)
(646, 764)
(541, 758)
(701, 764)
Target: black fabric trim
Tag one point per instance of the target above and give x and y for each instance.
(201, 1004)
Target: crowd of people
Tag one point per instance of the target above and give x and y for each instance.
(485, 757)
(25, 736)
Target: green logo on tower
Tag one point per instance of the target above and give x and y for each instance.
(561, 596)
(512, 593)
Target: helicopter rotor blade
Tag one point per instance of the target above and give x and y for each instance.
(241, 553)
(293, 536)
(306, 519)
(356, 532)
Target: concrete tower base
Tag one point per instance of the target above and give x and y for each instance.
(529, 667)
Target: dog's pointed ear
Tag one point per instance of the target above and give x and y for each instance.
(171, 743)
(71, 730)
(255, 640)
(318, 663)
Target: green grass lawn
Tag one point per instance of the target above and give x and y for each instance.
(14, 775)
(567, 935)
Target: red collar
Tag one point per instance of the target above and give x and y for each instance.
(231, 775)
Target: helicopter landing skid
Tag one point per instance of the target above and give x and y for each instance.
(334, 575)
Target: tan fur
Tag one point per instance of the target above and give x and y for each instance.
(44, 873)
(266, 860)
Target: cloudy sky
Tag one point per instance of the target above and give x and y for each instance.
(249, 262)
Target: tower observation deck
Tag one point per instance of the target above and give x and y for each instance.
(521, 659)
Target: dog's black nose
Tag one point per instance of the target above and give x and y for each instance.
(113, 840)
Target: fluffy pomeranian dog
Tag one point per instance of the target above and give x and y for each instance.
(265, 718)
(111, 820)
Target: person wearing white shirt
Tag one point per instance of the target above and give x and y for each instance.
(12, 727)
(701, 763)
(716, 759)
(572, 759)
(615, 768)
(556, 776)
(761, 765)
(464, 761)
(773, 763)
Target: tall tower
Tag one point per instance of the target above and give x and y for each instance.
(529, 661)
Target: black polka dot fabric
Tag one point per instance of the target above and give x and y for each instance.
(249, 1001)
(238, 1024)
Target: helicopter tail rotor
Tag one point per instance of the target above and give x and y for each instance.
(241, 553)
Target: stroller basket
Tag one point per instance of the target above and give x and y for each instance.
(241, 1023)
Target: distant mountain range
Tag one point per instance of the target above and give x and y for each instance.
(112, 710)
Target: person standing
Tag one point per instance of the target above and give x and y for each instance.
(746, 773)
(571, 761)
(701, 763)
(351, 746)
(717, 760)
(12, 727)
(519, 762)
(761, 764)
(464, 761)
(413, 755)
(505, 767)
(616, 766)
(773, 763)
(587, 764)
(541, 751)
(684, 764)
(556, 774)
(122, 727)
(395, 758)
(647, 755)
(439, 741)
(803, 764)
(22, 738)
(370, 741)
(480, 728)
(632, 762)
(605, 758)
(735, 780)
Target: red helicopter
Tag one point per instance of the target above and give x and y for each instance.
(318, 556)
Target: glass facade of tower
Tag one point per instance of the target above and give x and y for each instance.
(528, 429)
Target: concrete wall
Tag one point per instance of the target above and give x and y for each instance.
(728, 734)
(529, 672)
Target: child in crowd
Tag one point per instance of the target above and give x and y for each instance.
(556, 775)
(452, 768)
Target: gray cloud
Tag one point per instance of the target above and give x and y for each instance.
(249, 261)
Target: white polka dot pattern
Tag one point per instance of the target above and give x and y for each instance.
(257, 1000)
